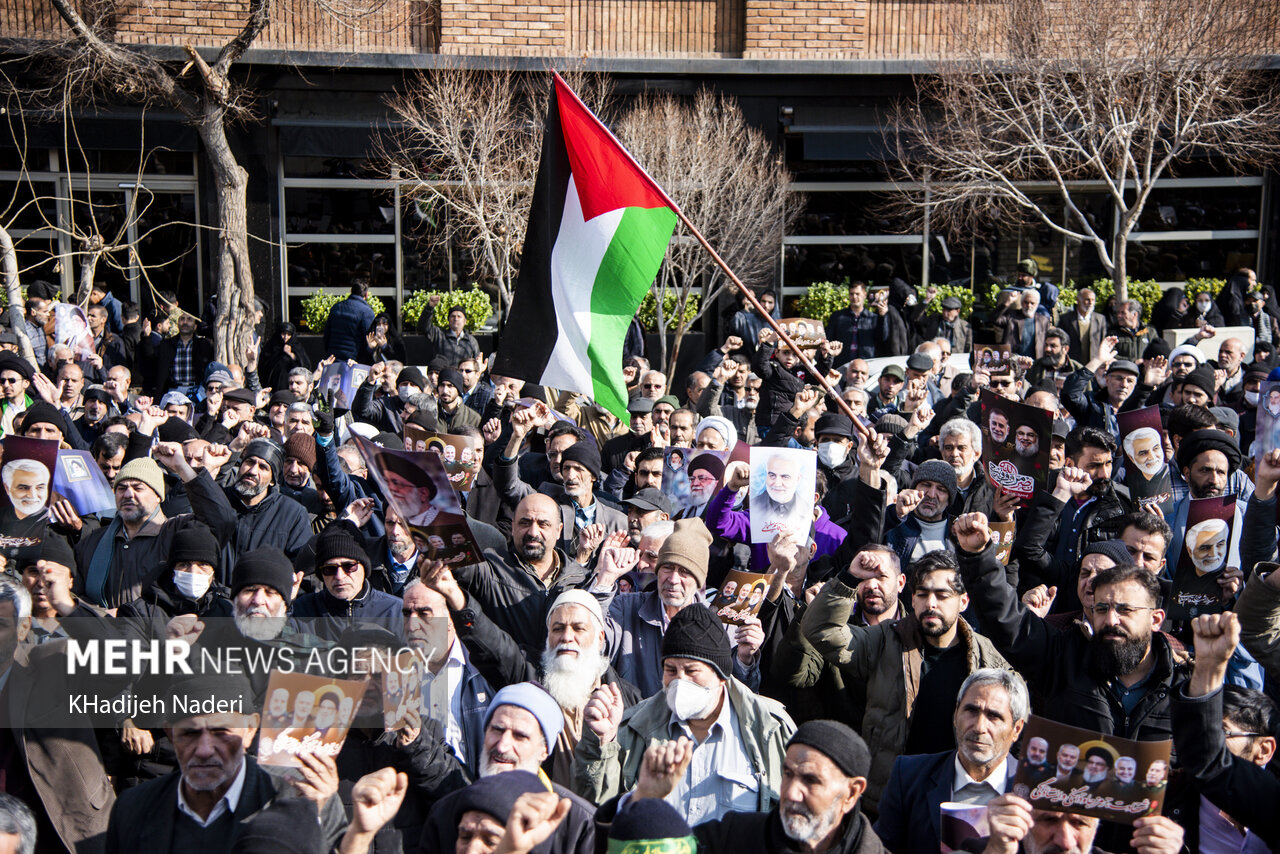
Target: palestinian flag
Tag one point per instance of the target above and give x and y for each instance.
(597, 233)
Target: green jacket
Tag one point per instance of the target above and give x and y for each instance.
(602, 772)
(888, 659)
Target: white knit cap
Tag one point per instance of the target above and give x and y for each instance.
(578, 597)
(722, 426)
(1187, 350)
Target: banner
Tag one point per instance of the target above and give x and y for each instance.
(804, 331)
(1146, 471)
(1002, 535)
(1208, 547)
(78, 479)
(417, 488)
(1267, 436)
(782, 492)
(992, 358)
(307, 714)
(741, 596)
(1066, 769)
(462, 455)
(27, 475)
(339, 383)
(1016, 440)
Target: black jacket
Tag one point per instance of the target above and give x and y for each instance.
(385, 413)
(276, 520)
(1034, 545)
(1246, 792)
(201, 355)
(326, 616)
(1056, 661)
(779, 387)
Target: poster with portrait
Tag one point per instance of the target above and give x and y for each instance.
(1067, 769)
(417, 487)
(992, 358)
(804, 331)
(690, 478)
(339, 383)
(26, 471)
(402, 694)
(78, 479)
(781, 494)
(1002, 536)
(71, 329)
(462, 455)
(1016, 440)
(1209, 545)
(961, 823)
(306, 714)
(741, 595)
(1146, 471)
(1267, 437)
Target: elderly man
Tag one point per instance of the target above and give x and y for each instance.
(738, 737)
(122, 559)
(638, 621)
(347, 598)
(217, 785)
(888, 656)
(653, 385)
(1025, 331)
(572, 665)
(520, 729)
(824, 776)
(924, 508)
(296, 481)
(1098, 408)
(990, 713)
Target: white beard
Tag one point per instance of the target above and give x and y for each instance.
(571, 679)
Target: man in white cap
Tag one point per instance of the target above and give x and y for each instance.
(573, 663)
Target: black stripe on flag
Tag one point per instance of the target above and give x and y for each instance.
(529, 335)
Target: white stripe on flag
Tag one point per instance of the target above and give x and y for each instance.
(575, 261)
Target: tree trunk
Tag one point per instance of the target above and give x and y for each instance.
(233, 328)
(9, 269)
(675, 351)
(1119, 275)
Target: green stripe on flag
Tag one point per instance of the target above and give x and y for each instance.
(626, 272)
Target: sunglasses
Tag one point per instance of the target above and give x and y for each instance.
(329, 570)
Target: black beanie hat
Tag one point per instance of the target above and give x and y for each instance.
(496, 794)
(1113, 549)
(453, 377)
(174, 429)
(390, 441)
(648, 819)
(285, 826)
(338, 541)
(268, 566)
(406, 470)
(194, 543)
(56, 549)
(283, 396)
(41, 412)
(1202, 378)
(837, 742)
(696, 632)
(584, 454)
(269, 452)
(1157, 347)
(413, 376)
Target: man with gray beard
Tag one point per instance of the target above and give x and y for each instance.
(571, 665)
(824, 776)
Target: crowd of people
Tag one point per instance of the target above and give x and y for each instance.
(579, 694)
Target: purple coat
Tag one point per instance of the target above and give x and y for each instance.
(734, 525)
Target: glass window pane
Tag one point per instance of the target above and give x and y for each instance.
(1201, 208)
(28, 204)
(361, 211)
(1178, 260)
(334, 265)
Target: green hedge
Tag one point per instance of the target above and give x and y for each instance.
(648, 312)
(475, 305)
(316, 308)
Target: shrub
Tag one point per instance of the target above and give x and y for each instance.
(1147, 292)
(822, 300)
(961, 292)
(648, 311)
(475, 305)
(1198, 286)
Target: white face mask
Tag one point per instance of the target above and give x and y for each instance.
(1251, 398)
(832, 454)
(193, 585)
(404, 393)
(1203, 305)
(688, 700)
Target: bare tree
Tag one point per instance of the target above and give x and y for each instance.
(1065, 91)
(471, 140)
(728, 180)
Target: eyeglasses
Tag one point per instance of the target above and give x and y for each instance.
(651, 385)
(329, 570)
(1230, 734)
(1102, 609)
(9, 380)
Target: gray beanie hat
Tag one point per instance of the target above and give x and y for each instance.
(938, 472)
